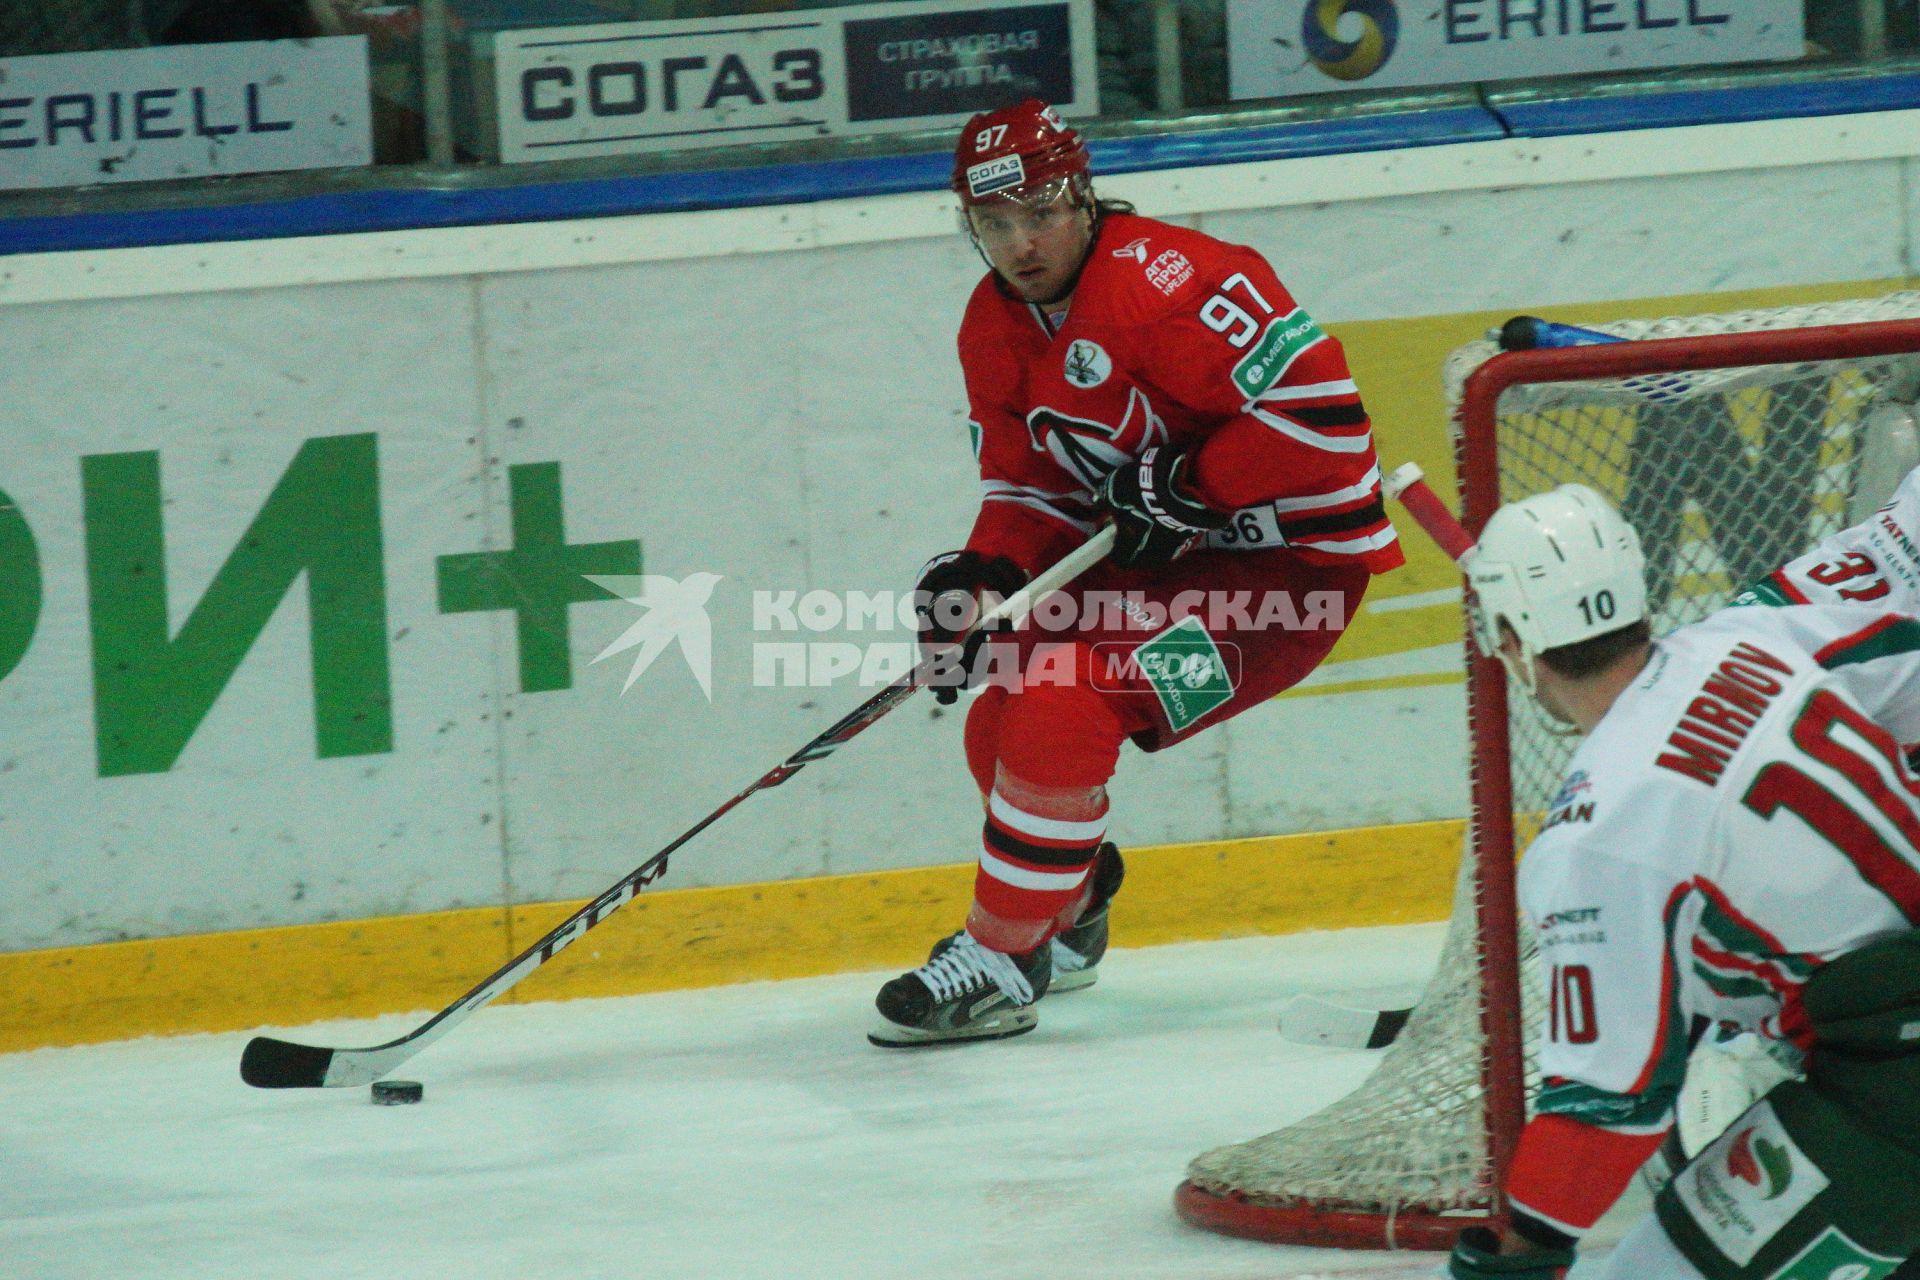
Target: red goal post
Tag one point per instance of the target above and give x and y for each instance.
(1352, 1175)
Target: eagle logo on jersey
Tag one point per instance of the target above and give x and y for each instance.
(1087, 364)
(1576, 784)
(1090, 449)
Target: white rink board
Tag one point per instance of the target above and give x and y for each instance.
(775, 418)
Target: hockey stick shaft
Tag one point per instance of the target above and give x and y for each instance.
(1408, 484)
(1530, 333)
(1526, 333)
(1308, 1019)
(269, 1063)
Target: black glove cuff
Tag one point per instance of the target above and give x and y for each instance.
(1160, 481)
(966, 574)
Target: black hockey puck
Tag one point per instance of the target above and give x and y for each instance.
(393, 1093)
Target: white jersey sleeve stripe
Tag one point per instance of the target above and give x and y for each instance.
(995, 488)
(1361, 443)
(1308, 391)
(1334, 497)
(1564, 1228)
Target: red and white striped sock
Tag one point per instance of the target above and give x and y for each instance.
(1036, 849)
(1042, 756)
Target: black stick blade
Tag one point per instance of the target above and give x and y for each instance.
(1388, 1028)
(281, 1064)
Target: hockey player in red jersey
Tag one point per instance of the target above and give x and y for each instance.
(1123, 369)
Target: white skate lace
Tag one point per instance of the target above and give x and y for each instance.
(966, 966)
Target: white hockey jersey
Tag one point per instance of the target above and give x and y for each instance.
(1740, 816)
(1876, 562)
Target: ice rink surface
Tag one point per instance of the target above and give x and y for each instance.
(745, 1133)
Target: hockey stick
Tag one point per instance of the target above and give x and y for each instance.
(1409, 485)
(1308, 1019)
(268, 1063)
(1525, 333)
(1528, 333)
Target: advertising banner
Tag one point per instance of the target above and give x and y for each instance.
(654, 86)
(184, 111)
(1278, 48)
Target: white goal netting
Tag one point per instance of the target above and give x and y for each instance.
(1726, 473)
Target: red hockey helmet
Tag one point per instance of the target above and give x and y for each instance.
(1010, 151)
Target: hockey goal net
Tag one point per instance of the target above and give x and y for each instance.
(1732, 442)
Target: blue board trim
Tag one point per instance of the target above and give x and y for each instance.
(1710, 106)
(1289, 141)
(401, 208)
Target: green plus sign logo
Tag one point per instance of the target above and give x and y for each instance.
(538, 579)
(321, 526)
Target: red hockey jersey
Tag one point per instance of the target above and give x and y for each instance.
(1172, 338)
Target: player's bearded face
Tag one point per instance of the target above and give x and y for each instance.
(1036, 240)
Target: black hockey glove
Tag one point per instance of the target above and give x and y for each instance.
(1477, 1256)
(1155, 519)
(947, 603)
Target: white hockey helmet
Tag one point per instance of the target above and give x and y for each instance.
(1559, 567)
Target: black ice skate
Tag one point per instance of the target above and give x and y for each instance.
(966, 992)
(1077, 950)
